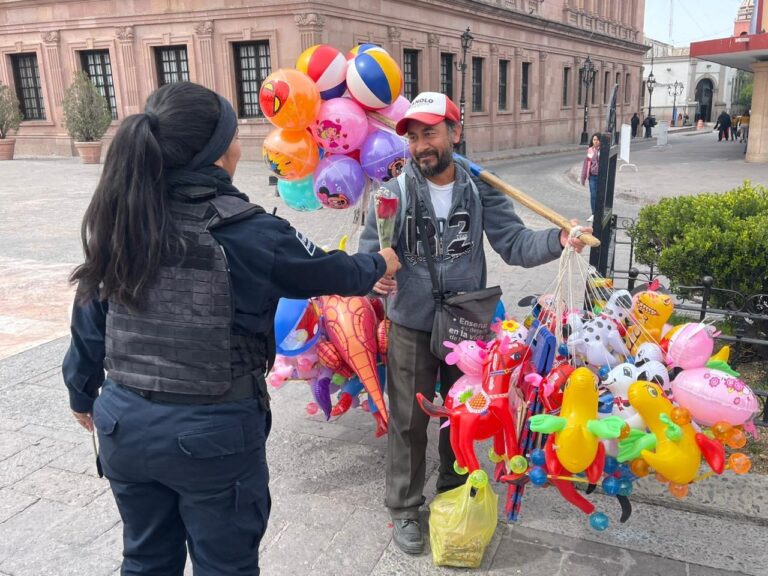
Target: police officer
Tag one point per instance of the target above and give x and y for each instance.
(176, 300)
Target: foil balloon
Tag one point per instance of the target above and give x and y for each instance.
(350, 324)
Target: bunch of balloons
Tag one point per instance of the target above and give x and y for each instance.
(333, 343)
(324, 149)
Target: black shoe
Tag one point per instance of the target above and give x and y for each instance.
(407, 535)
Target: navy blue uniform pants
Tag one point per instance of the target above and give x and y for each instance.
(186, 476)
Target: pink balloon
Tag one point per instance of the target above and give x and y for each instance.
(340, 126)
(397, 109)
(713, 396)
(393, 112)
(691, 346)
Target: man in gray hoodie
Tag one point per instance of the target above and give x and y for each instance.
(457, 208)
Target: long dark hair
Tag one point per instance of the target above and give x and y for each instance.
(127, 229)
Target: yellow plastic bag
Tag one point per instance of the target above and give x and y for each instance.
(461, 525)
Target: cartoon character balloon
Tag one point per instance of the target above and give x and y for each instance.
(289, 99)
(339, 182)
(383, 155)
(340, 126)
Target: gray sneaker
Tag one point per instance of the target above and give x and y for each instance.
(407, 535)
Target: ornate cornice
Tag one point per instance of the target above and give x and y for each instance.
(393, 32)
(433, 39)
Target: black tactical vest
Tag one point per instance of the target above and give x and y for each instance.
(182, 341)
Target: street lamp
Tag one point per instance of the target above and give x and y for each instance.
(466, 44)
(650, 83)
(588, 72)
(675, 90)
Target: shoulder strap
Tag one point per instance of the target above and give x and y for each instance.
(231, 209)
(437, 294)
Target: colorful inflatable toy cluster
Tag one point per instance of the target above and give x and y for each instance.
(600, 397)
(324, 149)
(333, 343)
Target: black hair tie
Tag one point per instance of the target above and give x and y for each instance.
(154, 121)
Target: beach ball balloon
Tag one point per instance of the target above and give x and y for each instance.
(299, 194)
(361, 48)
(340, 126)
(290, 154)
(374, 79)
(327, 67)
(289, 99)
(383, 155)
(339, 182)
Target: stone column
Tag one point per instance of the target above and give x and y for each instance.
(53, 63)
(517, 83)
(493, 97)
(310, 25)
(205, 70)
(127, 59)
(757, 146)
(432, 63)
(577, 110)
(539, 102)
(395, 44)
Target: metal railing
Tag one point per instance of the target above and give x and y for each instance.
(744, 316)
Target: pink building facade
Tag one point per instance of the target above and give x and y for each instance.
(522, 78)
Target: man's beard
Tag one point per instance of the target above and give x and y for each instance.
(444, 159)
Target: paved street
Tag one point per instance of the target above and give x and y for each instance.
(57, 518)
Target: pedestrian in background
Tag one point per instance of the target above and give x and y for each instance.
(744, 127)
(723, 126)
(589, 170)
(634, 123)
(176, 300)
(648, 123)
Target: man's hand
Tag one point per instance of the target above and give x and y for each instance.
(84, 419)
(385, 285)
(575, 242)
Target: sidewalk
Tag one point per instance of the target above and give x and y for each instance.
(57, 518)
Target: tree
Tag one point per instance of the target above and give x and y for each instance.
(86, 114)
(10, 114)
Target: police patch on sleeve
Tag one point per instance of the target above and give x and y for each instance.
(306, 242)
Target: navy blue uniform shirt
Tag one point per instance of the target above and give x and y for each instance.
(268, 259)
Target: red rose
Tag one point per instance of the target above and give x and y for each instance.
(385, 207)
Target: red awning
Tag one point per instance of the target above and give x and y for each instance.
(737, 51)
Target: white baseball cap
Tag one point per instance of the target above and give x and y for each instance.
(428, 108)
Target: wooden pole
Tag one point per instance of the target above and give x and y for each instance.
(491, 179)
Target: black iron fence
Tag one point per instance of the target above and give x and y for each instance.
(742, 319)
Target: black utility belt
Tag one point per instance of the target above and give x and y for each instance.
(241, 389)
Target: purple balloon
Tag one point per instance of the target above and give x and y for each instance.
(383, 155)
(339, 182)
